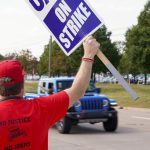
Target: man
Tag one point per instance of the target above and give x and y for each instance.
(24, 124)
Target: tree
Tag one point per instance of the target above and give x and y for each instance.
(120, 46)
(64, 65)
(13, 55)
(144, 39)
(137, 49)
(127, 63)
(43, 63)
(60, 63)
(1, 57)
(108, 48)
(29, 62)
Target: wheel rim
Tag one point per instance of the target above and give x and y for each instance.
(60, 124)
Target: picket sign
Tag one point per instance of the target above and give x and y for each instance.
(71, 22)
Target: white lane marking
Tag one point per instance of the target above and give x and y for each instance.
(140, 117)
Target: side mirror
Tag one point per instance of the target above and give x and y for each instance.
(98, 90)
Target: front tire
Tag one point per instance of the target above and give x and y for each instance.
(64, 125)
(111, 124)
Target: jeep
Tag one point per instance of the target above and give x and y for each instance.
(92, 108)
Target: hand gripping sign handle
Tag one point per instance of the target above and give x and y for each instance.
(117, 75)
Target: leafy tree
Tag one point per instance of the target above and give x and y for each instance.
(13, 55)
(29, 62)
(64, 65)
(137, 49)
(124, 64)
(120, 46)
(144, 39)
(1, 57)
(60, 63)
(44, 61)
(108, 48)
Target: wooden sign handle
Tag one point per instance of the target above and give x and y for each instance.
(117, 75)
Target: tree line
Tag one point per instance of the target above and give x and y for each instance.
(136, 56)
(131, 56)
(29, 62)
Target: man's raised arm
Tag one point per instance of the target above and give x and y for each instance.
(80, 84)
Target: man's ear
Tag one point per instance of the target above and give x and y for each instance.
(22, 92)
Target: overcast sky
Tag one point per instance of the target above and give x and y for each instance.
(21, 29)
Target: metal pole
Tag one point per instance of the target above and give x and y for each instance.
(50, 56)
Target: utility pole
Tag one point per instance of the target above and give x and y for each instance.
(50, 56)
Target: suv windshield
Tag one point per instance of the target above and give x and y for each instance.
(62, 85)
(91, 87)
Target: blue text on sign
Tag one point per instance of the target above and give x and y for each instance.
(39, 4)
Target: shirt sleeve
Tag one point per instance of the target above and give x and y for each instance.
(53, 107)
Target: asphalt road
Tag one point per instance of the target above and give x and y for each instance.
(133, 133)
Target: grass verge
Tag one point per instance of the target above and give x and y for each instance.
(31, 86)
(115, 91)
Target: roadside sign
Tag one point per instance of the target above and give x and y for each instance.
(69, 21)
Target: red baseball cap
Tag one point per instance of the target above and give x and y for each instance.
(11, 72)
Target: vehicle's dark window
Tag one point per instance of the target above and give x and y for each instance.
(50, 88)
(50, 85)
(62, 85)
(44, 84)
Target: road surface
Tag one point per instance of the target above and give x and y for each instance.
(133, 133)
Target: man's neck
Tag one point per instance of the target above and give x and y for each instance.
(1, 97)
(11, 96)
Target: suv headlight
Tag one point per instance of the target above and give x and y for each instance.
(105, 102)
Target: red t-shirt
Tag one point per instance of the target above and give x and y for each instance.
(24, 124)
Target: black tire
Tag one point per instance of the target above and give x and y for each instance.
(64, 125)
(111, 124)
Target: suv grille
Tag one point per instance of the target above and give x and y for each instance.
(91, 104)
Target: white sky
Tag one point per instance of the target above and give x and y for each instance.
(21, 29)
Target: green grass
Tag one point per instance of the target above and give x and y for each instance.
(117, 92)
(31, 86)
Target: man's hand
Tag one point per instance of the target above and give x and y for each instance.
(91, 47)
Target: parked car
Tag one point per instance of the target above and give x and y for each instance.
(92, 108)
(148, 80)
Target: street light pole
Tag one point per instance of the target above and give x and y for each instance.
(50, 56)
